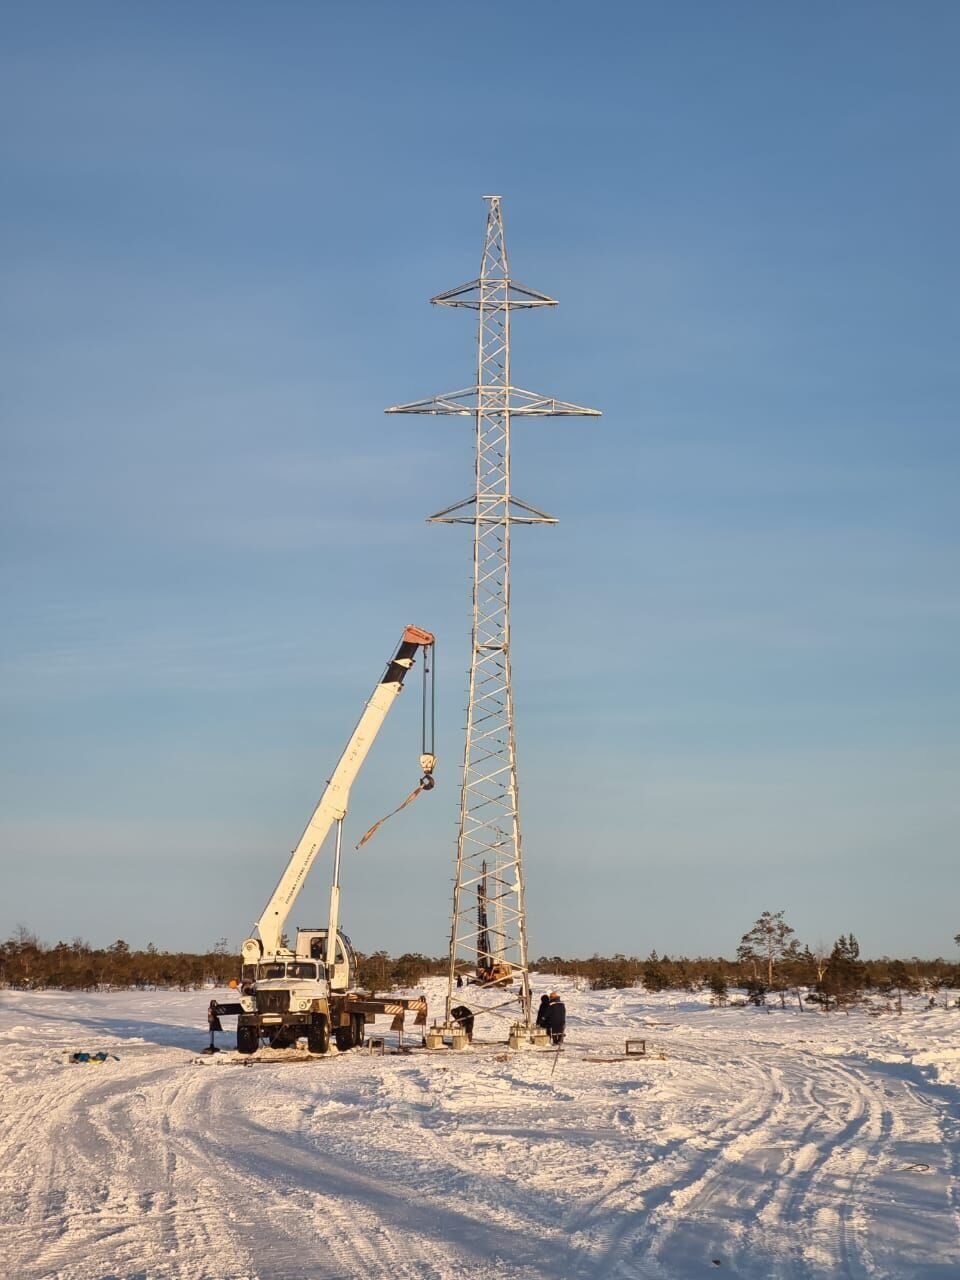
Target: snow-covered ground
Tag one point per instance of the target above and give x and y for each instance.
(761, 1145)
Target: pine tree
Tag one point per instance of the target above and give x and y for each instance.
(900, 980)
(718, 986)
(845, 971)
(766, 943)
(654, 977)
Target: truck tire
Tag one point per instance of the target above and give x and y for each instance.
(344, 1038)
(318, 1034)
(359, 1028)
(248, 1040)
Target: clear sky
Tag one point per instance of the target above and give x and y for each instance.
(736, 658)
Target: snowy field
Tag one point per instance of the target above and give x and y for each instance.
(760, 1145)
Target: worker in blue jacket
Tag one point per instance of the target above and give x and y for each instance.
(542, 1011)
(556, 1018)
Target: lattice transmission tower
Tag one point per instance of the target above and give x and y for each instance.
(488, 937)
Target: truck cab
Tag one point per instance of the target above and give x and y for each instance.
(282, 998)
(342, 974)
(295, 993)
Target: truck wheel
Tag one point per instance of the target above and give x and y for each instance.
(318, 1034)
(248, 1040)
(344, 1038)
(359, 1028)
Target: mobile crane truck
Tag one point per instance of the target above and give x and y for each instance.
(311, 989)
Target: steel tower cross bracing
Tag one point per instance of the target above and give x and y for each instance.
(488, 937)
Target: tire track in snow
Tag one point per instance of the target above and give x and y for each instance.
(410, 1128)
(743, 1178)
(715, 1197)
(264, 1208)
(619, 1221)
(879, 1180)
(809, 1199)
(60, 1161)
(323, 1212)
(118, 1194)
(733, 1207)
(823, 1193)
(450, 1167)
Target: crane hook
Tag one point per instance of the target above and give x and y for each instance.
(428, 763)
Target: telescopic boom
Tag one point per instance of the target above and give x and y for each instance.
(335, 799)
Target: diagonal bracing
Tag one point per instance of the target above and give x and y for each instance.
(488, 937)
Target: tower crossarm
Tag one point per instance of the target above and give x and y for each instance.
(469, 511)
(470, 401)
(472, 295)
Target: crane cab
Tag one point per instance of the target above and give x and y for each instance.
(312, 945)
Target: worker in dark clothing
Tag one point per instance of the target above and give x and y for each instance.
(556, 1018)
(542, 1011)
(464, 1016)
(213, 1022)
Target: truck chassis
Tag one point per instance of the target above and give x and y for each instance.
(345, 1018)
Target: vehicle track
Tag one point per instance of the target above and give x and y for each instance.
(354, 1216)
(774, 1163)
(781, 1163)
(833, 1131)
(613, 1224)
(109, 1189)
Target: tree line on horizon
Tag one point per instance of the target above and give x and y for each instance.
(769, 964)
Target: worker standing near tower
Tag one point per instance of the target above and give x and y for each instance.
(542, 1011)
(556, 1018)
(213, 1024)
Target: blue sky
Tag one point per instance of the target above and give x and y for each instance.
(735, 658)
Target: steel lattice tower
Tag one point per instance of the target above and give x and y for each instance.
(488, 938)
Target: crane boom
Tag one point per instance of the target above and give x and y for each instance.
(332, 806)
